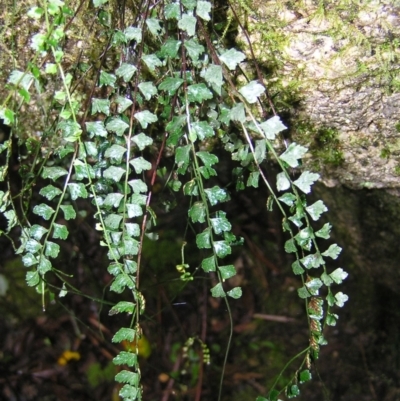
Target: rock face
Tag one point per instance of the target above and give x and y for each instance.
(342, 60)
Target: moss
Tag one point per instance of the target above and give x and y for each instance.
(324, 144)
(385, 153)
(396, 170)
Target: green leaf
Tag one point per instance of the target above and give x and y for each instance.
(314, 285)
(290, 246)
(214, 77)
(96, 128)
(208, 264)
(316, 209)
(198, 212)
(188, 23)
(133, 33)
(51, 68)
(333, 251)
(69, 212)
(154, 26)
(200, 130)
(44, 266)
(148, 89)
(203, 240)
(71, 130)
(38, 42)
(131, 265)
(115, 152)
(305, 376)
(138, 186)
(232, 58)
(53, 172)
(98, 3)
(50, 192)
(172, 11)
(303, 293)
(222, 248)
(122, 307)
(145, 118)
(114, 173)
(118, 38)
(142, 141)
(125, 358)
(44, 211)
(296, 267)
(326, 279)
(198, 93)
(129, 392)
(189, 4)
(182, 158)
(237, 113)
(77, 190)
(292, 391)
(121, 281)
(35, 12)
(288, 199)
(123, 103)
(170, 48)
(112, 221)
(21, 79)
(83, 170)
(107, 79)
(113, 199)
(37, 231)
(52, 249)
(134, 210)
(29, 260)
(227, 271)
(271, 127)
(252, 91)
(293, 154)
(282, 182)
(330, 298)
(32, 246)
(305, 181)
(126, 71)
(133, 230)
(203, 10)
(324, 232)
(170, 85)
(140, 164)
(209, 159)
(260, 150)
(60, 231)
(340, 299)
(235, 293)
(331, 319)
(338, 275)
(253, 179)
(32, 278)
(124, 334)
(216, 194)
(220, 223)
(100, 106)
(194, 49)
(311, 261)
(117, 125)
(152, 62)
(218, 291)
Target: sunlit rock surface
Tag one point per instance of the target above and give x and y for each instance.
(343, 63)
